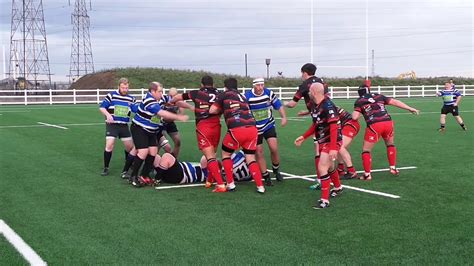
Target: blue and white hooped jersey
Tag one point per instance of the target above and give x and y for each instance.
(261, 107)
(145, 116)
(118, 106)
(241, 170)
(449, 96)
(192, 173)
(164, 104)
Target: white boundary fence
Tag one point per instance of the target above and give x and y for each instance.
(26, 97)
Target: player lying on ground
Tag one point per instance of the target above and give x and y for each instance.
(171, 170)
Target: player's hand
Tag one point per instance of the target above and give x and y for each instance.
(303, 113)
(299, 141)
(332, 155)
(415, 111)
(109, 119)
(455, 104)
(283, 121)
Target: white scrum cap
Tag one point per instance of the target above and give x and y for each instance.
(258, 81)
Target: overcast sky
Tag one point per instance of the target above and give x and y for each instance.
(430, 37)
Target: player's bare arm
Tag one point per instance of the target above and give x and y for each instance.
(108, 117)
(283, 116)
(458, 100)
(290, 104)
(355, 115)
(214, 110)
(402, 105)
(183, 104)
(171, 116)
(303, 113)
(177, 98)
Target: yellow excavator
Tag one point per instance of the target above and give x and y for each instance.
(410, 75)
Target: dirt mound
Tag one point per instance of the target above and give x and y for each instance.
(101, 80)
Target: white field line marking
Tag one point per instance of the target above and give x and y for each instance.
(308, 178)
(51, 125)
(84, 124)
(20, 245)
(375, 170)
(353, 188)
(180, 186)
(350, 187)
(22, 126)
(14, 111)
(421, 112)
(26, 126)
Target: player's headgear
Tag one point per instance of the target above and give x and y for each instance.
(258, 81)
(363, 89)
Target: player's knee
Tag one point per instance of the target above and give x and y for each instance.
(109, 148)
(273, 148)
(167, 160)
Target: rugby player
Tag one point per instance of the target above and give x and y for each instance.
(116, 109)
(451, 99)
(379, 124)
(170, 170)
(308, 71)
(241, 132)
(262, 101)
(326, 127)
(144, 126)
(208, 127)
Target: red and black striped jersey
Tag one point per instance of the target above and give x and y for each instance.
(203, 99)
(372, 106)
(344, 116)
(303, 90)
(235, 108)
(324, 114)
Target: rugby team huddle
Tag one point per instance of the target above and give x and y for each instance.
(249, 120)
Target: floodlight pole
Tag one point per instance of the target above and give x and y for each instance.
(312, 34)
(246, 65)
(366, 39)
(267, 62)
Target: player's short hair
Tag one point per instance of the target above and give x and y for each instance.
(207, 81)
(154, 86)
(230, 83)
(363, 90)
(309, 69)
(123, 81)
(172, 91)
